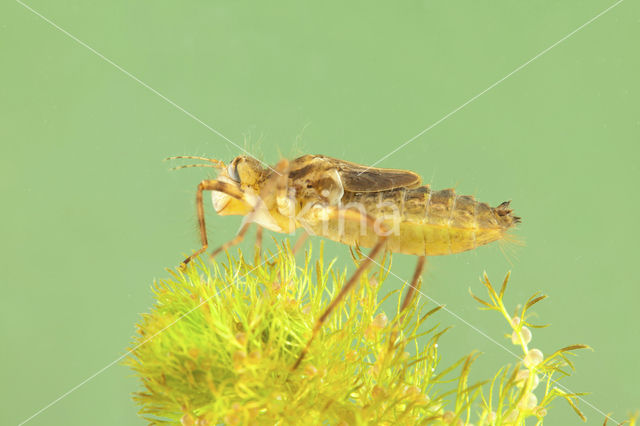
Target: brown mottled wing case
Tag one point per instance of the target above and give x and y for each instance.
(359, 178)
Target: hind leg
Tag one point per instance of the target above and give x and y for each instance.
(354, 216)
(414, 287)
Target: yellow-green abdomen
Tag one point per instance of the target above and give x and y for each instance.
(422, 222)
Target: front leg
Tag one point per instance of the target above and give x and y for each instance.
(209, 185)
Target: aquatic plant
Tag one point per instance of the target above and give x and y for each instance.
(219, 344)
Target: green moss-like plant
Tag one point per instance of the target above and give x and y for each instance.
(219, 344)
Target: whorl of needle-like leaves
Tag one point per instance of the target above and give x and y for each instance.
(219, 343)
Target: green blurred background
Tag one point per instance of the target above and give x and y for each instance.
(91, 215)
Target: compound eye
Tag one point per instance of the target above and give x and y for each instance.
(232, 170)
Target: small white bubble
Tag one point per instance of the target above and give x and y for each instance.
(528, 402)
(523, 376)
(526, 336)
(533, 358)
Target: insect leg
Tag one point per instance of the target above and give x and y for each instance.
(352, 215)
(282, 172)
(300, 241)
(414, 286)
(411, 291)
(209, 185)
(258, 244)
(232, 242)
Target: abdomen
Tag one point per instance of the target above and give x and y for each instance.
(423, 222)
